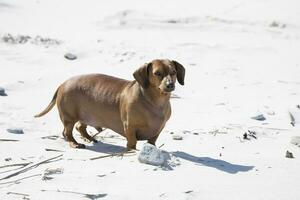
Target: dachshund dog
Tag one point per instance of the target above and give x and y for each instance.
(137, 110)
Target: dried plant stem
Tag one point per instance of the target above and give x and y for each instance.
(30, 167)
(114, 154)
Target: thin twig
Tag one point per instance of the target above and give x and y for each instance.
(96, 134)
(17, 164)
(54, 150)
(51, 137)
(3, 172)
(292, 119)
(8, 140)
(89, 196)
(16, 193)
(30, 167)
(161, 145)
(17, 181)
(113, 154)
(102, 129)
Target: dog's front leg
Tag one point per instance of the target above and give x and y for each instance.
(130, 134)
(153, 140)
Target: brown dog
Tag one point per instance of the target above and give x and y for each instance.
(137, 109)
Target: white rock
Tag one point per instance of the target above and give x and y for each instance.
(270, 112)
(296, 140)
(151, 155)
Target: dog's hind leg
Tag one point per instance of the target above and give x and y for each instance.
(63, 133)
(99, 129)
(81, 128)
(68, 128)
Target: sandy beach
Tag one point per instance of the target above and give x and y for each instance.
(236, 114)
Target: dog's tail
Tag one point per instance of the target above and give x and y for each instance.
(49, 107)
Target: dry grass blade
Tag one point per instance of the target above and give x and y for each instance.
(30, 167)
(16, 193)
(292, 119)
(8, 140)
(114, 154)
(15, 165)
(51, 137)
(56, 150)
(89, 196)
(17, 181)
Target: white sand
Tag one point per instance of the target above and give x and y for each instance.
(237, 65)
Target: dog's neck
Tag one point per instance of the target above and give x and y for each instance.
(155, 97)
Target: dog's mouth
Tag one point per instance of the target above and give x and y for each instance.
(167, 90)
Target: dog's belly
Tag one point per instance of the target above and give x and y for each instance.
(103, 116)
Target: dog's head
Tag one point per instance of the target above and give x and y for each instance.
(160, 74)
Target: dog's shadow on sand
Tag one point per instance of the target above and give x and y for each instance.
(214, 163)
(221, 165)
(106, 148)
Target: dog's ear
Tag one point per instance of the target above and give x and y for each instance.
(141, 75)
(180, 72)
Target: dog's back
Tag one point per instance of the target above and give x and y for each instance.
(97, 87)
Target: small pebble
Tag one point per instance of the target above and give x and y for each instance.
(259, 117)
(274, 24)
(277, 24)
(70, 56)
(8, 159)
(177, 137)
(289, 154)
(2, 92)
(15, 130)
(271, 112)
(296, 140)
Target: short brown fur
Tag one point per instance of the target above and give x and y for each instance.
(137, 109)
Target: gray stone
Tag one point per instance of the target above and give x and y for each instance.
(15, 130)
(70, 56)
(289, 154)
(259, 117)
(177, 137)
(151, 155)
(296, 140)
(2, 92)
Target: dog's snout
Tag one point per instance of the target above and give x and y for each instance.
(170, 85)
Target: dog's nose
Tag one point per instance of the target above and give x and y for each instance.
(171, 85)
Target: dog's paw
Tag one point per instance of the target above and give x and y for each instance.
(77, 146)
(94, 140)
(80, 146)
(90, 140)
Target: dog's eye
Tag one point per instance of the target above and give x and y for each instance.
(157, 73)
(173, 73)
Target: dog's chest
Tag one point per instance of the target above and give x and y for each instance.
(153, 122)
